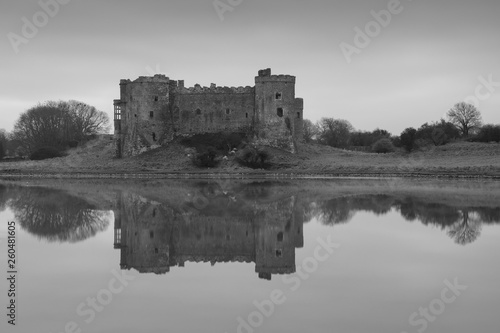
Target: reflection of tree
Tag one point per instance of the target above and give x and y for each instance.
(335, 211)
(467, 230)
(56, 216)
(3, 198)
(463, 224)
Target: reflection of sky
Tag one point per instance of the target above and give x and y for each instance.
(385, 269)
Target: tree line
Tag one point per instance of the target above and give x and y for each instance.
(464, 122)
(53, 126)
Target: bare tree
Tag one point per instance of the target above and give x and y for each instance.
(466, 117)
(310, 130)
(56, 124)
(467, 230)
(335, 132)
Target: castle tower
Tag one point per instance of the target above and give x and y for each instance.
(278, 114)
(142, 109)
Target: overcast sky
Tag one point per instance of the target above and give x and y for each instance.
(430, 55)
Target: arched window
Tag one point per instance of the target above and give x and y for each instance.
(198, 111)
(279, 112)
(154, 136)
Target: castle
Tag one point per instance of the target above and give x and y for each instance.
(153, 111)
(155, 236)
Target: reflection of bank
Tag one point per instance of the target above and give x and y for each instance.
(153, 237)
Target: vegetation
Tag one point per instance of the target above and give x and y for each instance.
(3, 143)
(465, 117)
(408, 138)
(309, 131)
(334, 132)
(205, 158)
(58, 125)
(488, 133)
(45, 153)
(253, 157)
(383, 146)
(220, 142)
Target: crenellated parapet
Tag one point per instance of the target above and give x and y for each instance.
(197, 89)
(153, 110)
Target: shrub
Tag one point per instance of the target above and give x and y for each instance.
(222, 142)
(408, 138)
(253, 157)
(73, 143)
(489, 133)
(45, 153)
(205, 158)
(383, 146)
(2, 150)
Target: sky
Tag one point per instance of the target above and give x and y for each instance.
(375, 63)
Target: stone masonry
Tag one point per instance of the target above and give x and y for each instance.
(153, 111)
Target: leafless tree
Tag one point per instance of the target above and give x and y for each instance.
(335, 132)
(56, 124)
(466, 117)
(310, 130)
(467, 230)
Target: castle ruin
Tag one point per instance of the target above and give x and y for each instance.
(153, 111)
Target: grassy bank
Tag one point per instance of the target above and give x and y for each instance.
(456, 160)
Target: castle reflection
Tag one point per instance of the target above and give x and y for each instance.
(215, 228)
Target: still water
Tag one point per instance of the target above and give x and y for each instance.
(253, 256)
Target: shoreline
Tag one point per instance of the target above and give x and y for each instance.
(246, 175)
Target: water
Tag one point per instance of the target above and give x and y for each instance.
(254, 256)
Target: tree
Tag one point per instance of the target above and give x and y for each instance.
(489, 133)
(334, 132)
(310, 131)
(438, 133)
(408, 138)
(466, 117)
(467, 230)
(3, 143)
(57, 124)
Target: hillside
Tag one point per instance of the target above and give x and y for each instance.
(97, 156)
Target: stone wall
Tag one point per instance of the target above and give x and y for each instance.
(155, 110)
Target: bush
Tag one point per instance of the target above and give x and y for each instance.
(221, 142)
(489, 133)
(408, 138)
(205, 158)
(45, 153)
(254, 158)
(383, 146)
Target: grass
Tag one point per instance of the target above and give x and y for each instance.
(97, 156)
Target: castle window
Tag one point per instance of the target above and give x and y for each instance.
(151, 234)
(280, 112)
(280, 237)
(154, 212)
(246, 115)
(118, 112)
(151, 114)
(279, 253)
(298, 115)
(154, 136)
(156, 98)
(228, 111)
(131, 98)
(198, 111)
(156, 250)
(279, 96)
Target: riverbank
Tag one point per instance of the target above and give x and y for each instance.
(95, 160)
